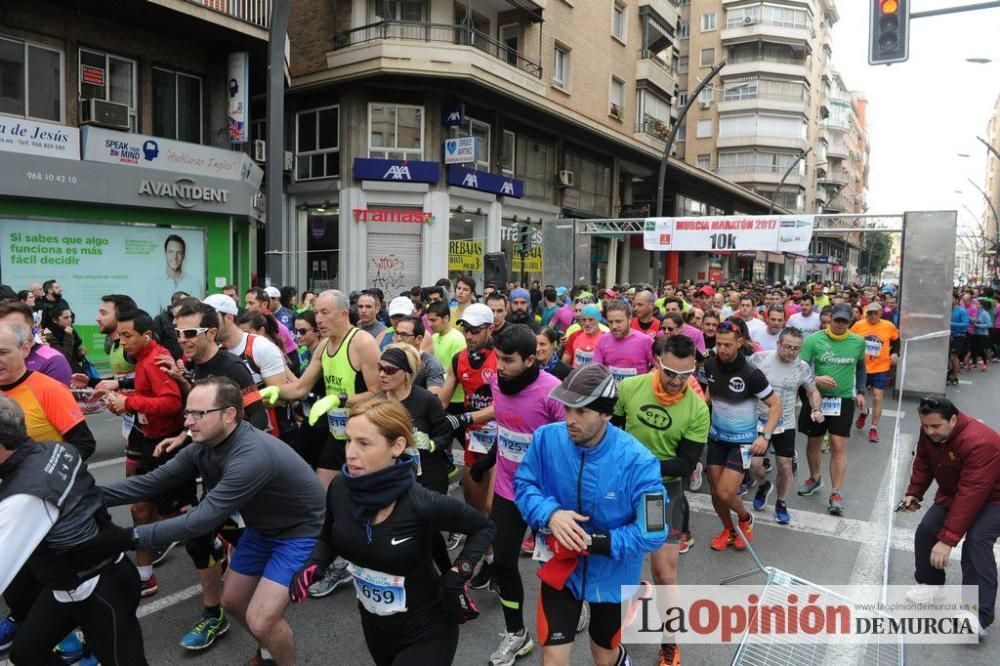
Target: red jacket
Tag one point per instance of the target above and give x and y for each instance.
(967, 470)
(157, 398)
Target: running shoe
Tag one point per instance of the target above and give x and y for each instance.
(149, 587)
(810, 486)
(873, 435)
(482, 579)
(723, 539)
(686, 542)
(670, 655)
(747, 528)
(258, 660)
(511, 647)
(974, 623)
(836, 505)
(581, 624)
(744, 487)
(453, 541)
(89, 660)
(922, 593)
(205, 631)
(986, 367)
(8, 629)
(781, 512)
(695, 482)
(760, 498)
(160, 554)
(528, 545)
(70, 649)
(333, 578)
(859, 422)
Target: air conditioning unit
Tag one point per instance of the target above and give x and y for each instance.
(289, 161)
(259, 150)
(749, 20)
(566, 178)
(705, 104)
(104, 114)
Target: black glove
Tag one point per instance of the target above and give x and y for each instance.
(457, 602)
(600, 543)
(298, 589)
(460, 421)
(483, 465)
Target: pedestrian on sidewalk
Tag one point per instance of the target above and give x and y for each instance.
(963, 456)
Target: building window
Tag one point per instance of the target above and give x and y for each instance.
(682, 98)
(476, 129)
(411, 11)
(177, 105)
(705, 128)
(619, 21)
(682, 133)
(395, 131)
(592, 183)
(705, 162)
(536, 166)
(708, 22)
(707, 57)
(682, 64)
(110, 79)
(31, 80)
(508, 153)
(653, 112)
(683, 29)
(706, 96)
(317, 143)
(560, 68)
(616, 98)
(782, 127)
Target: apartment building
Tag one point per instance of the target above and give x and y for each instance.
(116, 121)
(562, 108)
(990, 224)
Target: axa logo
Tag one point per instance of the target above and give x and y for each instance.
(507, 188)
(471, 180)
(737, 385)
(397, 172)
(455, 116)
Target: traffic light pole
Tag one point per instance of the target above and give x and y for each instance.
(955, 10)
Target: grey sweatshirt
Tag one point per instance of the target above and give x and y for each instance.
(251, 472)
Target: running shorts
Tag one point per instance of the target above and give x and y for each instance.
(783, 444)
(722, 454)
(333, 455)
(559, 611)
(277, 560)
(879, 380)
(139, 459)
(835, 425)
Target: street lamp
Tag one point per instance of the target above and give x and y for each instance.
(979, 60)
(996, 220)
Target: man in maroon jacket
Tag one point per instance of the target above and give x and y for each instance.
(149, 414)
(963, 456)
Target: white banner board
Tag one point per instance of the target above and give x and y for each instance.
(765, 233)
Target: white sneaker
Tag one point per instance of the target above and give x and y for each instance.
(924, 594)
(581, 624)
(511, 647)
(973, 619)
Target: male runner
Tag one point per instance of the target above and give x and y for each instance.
(520, 310)
(581, 346)
(838, 360)
(807, 319)
(786, 373)
(671, 420)
(748, 313)
(444, 342)
(431, 376)
(465, 295)
(881, 353)
(733, 388)
(625, 351)
(767, 337)
(42, 358)
(644, 308)
(497, 302)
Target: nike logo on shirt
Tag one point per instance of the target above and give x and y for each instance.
(396, 542)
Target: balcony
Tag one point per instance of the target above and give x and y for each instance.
(788, 104)
(254, 12)
(666, 10)
(782, 67)
(768, 31)
(834, 178)
(431, 49)
(759, 174)
(650, 127)
(651, 68)
(749, 140)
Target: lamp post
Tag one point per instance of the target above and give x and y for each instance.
(274, 166)
(788, 172)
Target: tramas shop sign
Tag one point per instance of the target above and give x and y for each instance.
(413, 216)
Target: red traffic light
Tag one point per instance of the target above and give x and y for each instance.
(890, 6)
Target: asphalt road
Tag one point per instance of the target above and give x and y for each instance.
(816, 546)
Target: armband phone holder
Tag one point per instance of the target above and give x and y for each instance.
(652, 513)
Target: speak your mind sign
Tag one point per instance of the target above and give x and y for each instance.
(90, 260)
(766, 233)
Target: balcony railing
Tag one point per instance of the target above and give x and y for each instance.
(654, 127)
(441, 33)
(255, 12)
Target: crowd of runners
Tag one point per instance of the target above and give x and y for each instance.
(296, 443)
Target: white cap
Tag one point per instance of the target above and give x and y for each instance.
(223, 304)
(477, 314)
(272, 292)
(400, 306)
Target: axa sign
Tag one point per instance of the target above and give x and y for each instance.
(402, 171)
(484, 181)
(185, 192)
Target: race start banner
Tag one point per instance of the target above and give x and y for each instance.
(765, 233)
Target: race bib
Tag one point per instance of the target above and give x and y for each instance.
(830, 406)
(582, 358)
(542, 552)
(513, 445)
(337, 418)
(379, 593)
(762, 421)
(745, 455)
(621, 373)
(873, 347)
(481, 439)
(128, 422)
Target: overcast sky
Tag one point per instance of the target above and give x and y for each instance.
(924, 111)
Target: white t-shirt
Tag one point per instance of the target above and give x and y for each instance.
(764, 338)
(808, 325)
(755, 326)
(785, 379)
(266, 355)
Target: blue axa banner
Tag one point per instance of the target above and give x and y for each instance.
(403, 171)
(485, 182)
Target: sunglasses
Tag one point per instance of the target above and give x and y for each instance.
(675, 374)
(473, 330)
(670, 329)
(929, 403)
(791, 348)
(303, 331)
(189, 333)
(388, 370)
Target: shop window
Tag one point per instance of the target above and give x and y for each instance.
(31, 80)
(177, 105)
(317, 143)
(536, 165)
(396, 131)
(476, 129)
(109, 78)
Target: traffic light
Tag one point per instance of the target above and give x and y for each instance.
(889, 32)
(524, 239)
